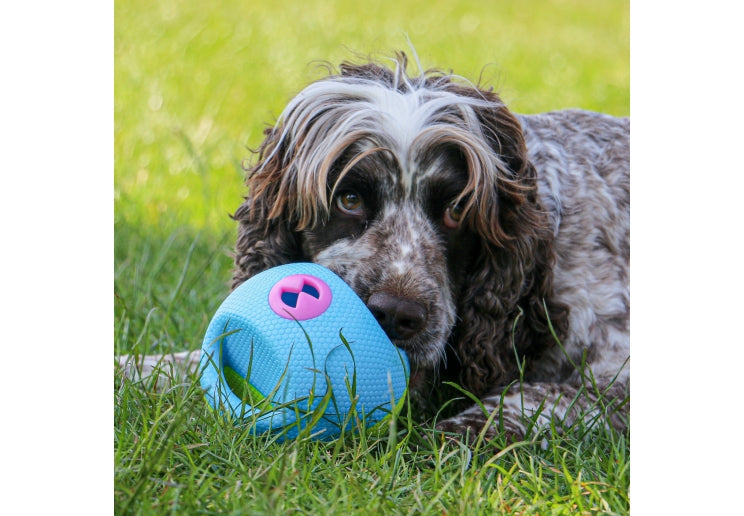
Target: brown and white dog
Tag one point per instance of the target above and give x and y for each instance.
(492, 247)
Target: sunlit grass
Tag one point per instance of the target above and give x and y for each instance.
(173, 454)
(196, 83)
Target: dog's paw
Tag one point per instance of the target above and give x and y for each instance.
(159, 371)
(469, 428)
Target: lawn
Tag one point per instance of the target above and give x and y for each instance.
(195, 85)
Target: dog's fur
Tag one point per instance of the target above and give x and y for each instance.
(493, 247)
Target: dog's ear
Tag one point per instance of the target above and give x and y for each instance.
(507, 296)
(267, 234)
(506, 210)
(506, 310)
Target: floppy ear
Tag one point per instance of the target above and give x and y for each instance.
(267, 234)
(510, 283)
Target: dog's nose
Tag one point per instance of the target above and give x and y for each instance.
(400, 318)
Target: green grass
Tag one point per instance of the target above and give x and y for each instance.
(195, 85)
(172, 455)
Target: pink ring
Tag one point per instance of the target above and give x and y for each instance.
(300, 296)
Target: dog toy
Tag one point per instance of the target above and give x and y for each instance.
(294, 349)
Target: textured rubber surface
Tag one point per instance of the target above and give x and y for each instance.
(302, 367)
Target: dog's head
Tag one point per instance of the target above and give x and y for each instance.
(410, 188)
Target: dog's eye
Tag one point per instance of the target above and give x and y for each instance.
(453, 215)
(350, 203)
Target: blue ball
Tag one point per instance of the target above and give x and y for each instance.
(293, 349)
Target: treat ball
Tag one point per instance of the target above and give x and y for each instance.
(293, 349)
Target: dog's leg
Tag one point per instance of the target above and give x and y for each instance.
(531, 406)
(169, 368)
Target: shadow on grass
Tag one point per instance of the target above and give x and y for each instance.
(167, 284)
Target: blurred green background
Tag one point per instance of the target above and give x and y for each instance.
(197, 82)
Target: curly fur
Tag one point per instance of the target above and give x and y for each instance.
(529, 284)
(531, 212)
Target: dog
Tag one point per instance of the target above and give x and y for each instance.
(492, 247)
